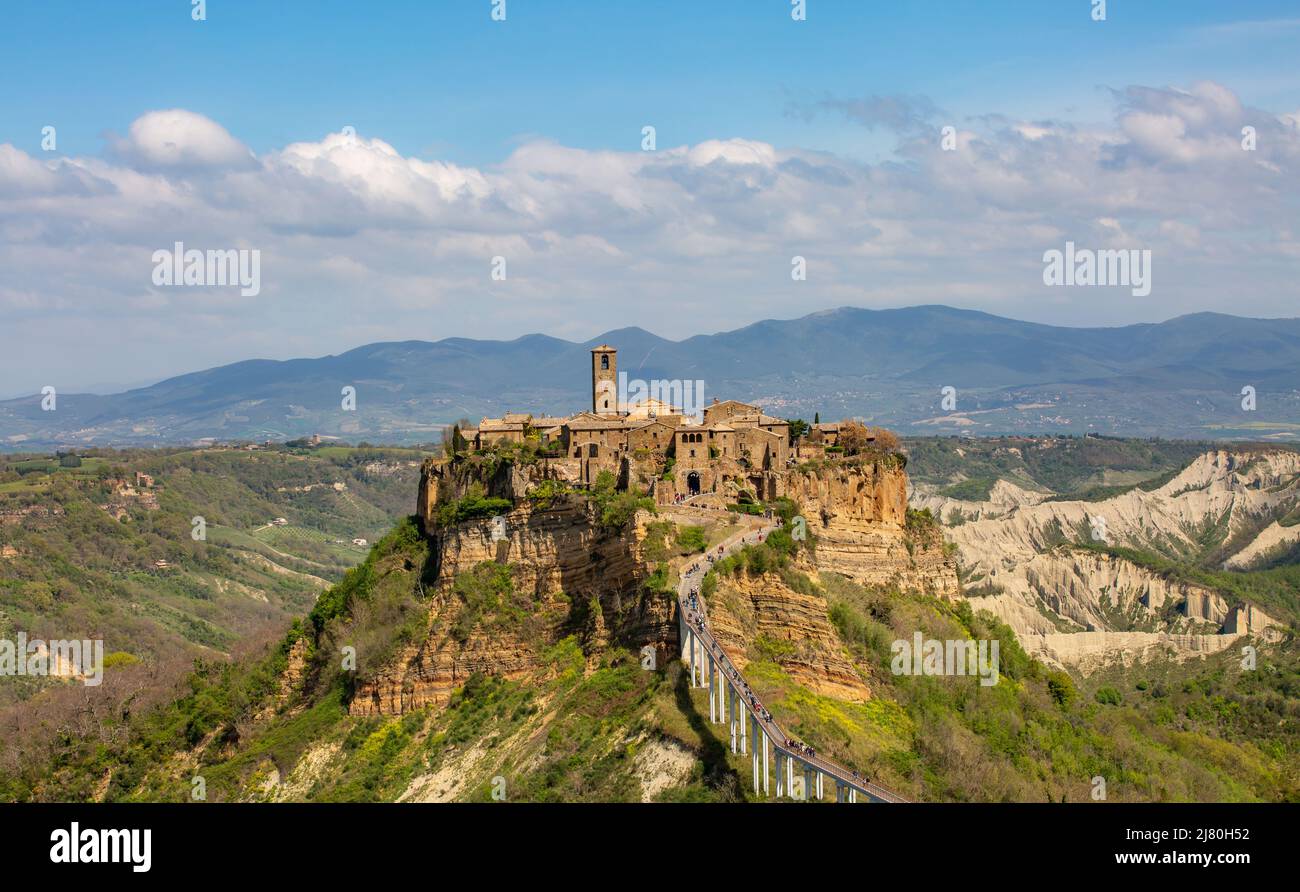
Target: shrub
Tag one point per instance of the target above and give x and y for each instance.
(473, 504)
(709, 585)
(690, 539)
(1108, 696)
(773, 649)
(1061, 687)
(486, 590)
(544, 494)
(660, 582)
(617, 508)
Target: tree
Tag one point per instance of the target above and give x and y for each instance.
(453, 441)
(817, 418)
(854, 437)
(885, 439)
(691, 539)
(1061, 687)
(798, 427)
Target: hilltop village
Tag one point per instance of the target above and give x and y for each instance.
(727, 448)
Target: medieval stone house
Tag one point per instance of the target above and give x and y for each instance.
(735, 447)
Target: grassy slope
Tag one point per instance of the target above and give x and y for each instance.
(1040, 735)
(1085, 467)
(1202, 731)
(581, 730)
(83, 574)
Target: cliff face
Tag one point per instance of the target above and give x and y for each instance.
(1084, 609)
(569, 575)
(858, 512)
(575, 577)
(794, 625)
(1102, 592)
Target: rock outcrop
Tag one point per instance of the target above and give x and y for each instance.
(858, 513)
(1048, 592)
(1272, 539)
(795, 625)
(576, 576)
(1086, 652)
(580, 578)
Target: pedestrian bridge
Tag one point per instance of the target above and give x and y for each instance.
(797, 774)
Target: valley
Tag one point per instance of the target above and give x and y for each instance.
(172, 556)
(457, 663)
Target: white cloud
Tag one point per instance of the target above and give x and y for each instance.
(358, 240)
(178, 139)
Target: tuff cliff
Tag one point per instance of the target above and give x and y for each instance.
(767, 617)
(571, 573)
(568, 574)
(858, 513)
(1083, 608)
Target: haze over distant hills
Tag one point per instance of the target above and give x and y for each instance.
(1180, 378)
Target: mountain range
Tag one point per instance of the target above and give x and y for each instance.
(1180, 378)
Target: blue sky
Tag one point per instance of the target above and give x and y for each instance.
(522, 139)
(441, 78)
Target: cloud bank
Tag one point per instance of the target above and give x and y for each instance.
(359, 242)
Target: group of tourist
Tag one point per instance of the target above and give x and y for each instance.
(754, 703)
(797, 747)
(695, 618)
(741, 684)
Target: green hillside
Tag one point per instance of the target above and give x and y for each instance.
(89, 551)
(1078, 467)
(1204, 732)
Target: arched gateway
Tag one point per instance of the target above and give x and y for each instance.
(693, 483)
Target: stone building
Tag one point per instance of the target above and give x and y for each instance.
(824, 434)
(734, 448)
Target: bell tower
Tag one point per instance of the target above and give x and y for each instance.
(604, 380)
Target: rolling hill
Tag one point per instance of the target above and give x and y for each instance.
(1179, 378)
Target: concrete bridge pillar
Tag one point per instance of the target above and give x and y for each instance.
(808, 783)
(691, 650)
(720, 678)
(719, 683)
(754, 752)
(780, 774)
(733, 719)
(766, 786)
(743, 721)
(713, 689)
